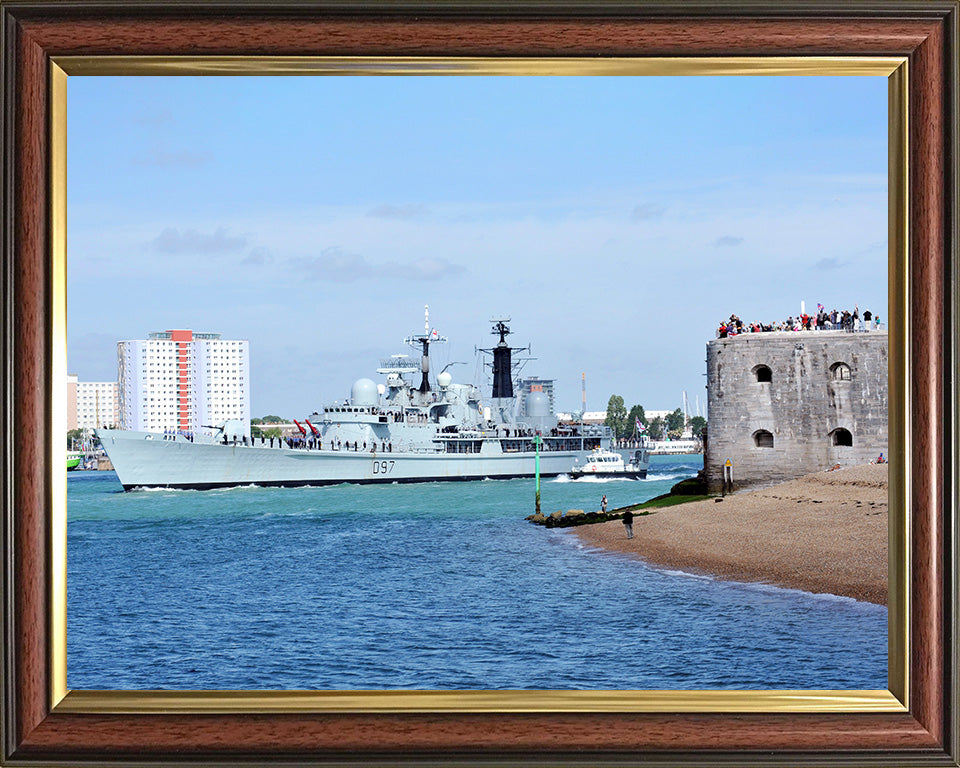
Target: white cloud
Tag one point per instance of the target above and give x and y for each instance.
(174, 240)
(647, 212)
(408, 211)
(727, 241)
(338, 266)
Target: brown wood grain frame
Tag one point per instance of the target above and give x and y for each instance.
(33, 33)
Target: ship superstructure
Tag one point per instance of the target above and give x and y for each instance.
(403, 430)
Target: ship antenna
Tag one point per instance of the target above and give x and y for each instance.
(425, 358)
(424, 343)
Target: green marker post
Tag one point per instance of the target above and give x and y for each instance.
(536, 443)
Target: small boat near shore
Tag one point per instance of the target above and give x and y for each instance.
(609, 464)
(74, 458)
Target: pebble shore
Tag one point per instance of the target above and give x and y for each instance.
(822, 533)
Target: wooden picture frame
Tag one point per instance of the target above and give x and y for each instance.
(41, 726)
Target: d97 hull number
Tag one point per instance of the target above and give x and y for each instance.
(383, 467)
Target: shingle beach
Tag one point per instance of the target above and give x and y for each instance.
(822, 533)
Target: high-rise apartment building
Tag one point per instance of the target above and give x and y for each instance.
(181, 380)
(98, 404)
(92, 404)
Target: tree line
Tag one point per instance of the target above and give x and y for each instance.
(257, 432)
(624, 422)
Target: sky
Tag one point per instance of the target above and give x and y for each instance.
(615, 220)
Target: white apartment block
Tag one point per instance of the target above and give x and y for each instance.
(98, 404)
(92, 404)
(181, 380)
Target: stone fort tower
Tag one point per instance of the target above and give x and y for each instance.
(785, 404)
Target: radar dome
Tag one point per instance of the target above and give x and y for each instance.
(443, 380)
(537, 405)
(363, 392)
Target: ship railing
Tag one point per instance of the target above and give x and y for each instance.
(402, 448)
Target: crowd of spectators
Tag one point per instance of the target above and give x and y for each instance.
(821, 321)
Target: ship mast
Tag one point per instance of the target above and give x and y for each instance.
(424, 342)
(502, 362)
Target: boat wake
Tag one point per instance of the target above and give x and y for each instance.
(568, 479)
(670, 476)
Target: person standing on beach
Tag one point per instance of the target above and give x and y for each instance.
(603, 504)
(628, 523)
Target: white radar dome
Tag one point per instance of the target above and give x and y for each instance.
(381, 389)
(363, 392)
(443, 380)
(537, 405)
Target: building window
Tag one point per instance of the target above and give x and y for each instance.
(763, 439)
(763, 373)
(840, 372)
(841, 436)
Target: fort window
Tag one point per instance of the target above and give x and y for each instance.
(840, 371)
(763, 439)
(763, 373)
(841, 436)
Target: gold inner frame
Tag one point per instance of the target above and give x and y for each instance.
(894, 699)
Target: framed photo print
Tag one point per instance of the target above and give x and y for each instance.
(282, 273)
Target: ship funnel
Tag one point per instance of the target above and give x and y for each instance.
(503, 364)
(502, 368)
(502, 383)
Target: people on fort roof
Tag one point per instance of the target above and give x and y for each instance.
(821, 321)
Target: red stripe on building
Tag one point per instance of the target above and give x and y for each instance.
(182, 339)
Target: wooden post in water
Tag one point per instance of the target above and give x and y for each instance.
(536, 465)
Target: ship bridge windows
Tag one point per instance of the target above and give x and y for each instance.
(763, 373)
(841, 436)
(763, 439)
(463, 446)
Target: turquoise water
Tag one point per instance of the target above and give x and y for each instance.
(434, 586)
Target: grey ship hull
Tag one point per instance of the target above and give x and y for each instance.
(148, 460)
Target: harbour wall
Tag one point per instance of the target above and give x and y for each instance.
(786, 404)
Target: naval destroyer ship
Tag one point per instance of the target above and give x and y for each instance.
(397, 432)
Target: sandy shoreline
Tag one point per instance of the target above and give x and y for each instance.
(822, 533)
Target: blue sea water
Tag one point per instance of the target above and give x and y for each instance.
(433, 586)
